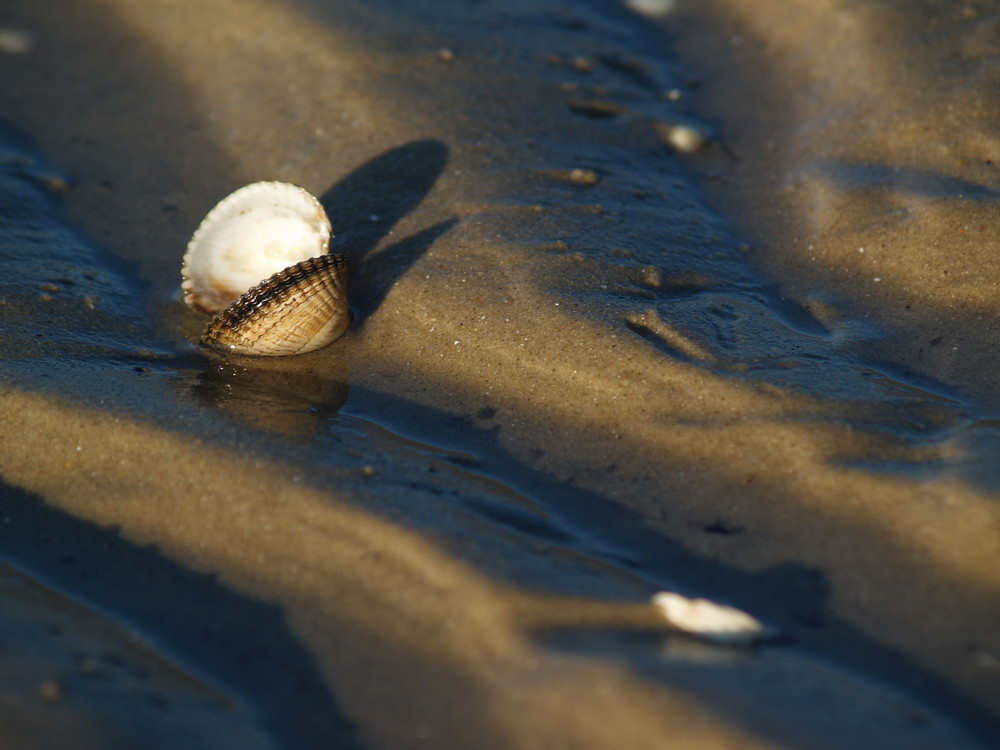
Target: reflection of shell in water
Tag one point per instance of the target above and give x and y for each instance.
(295, 311)
(276, 232)
(274, 394)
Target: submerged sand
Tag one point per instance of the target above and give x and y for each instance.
(564, 390)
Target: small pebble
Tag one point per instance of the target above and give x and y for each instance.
(446, 55)
(555, 247)
(583, 177)
(596, 109)
(50, 691)
(54, 184)
(651, 276)
(685, 138)
(16, 41)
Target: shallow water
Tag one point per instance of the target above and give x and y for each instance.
(557, 398)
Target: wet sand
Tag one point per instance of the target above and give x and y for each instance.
(563, 391)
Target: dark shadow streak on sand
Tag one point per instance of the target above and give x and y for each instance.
(241, 644)
(363, 208)
(366, 204)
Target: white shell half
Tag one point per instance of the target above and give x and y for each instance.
(710, 621)
(252, 234)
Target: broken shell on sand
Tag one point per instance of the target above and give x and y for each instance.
(710, 621)
(279, 233)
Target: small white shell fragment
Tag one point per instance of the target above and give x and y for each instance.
(708, 620)
(250, 235)
(683, 137)
(651, 8)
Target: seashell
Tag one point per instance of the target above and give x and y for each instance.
(297, 310)
(710, 621)
(251, 234)
(276, 232)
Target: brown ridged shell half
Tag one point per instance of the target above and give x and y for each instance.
(295, 311)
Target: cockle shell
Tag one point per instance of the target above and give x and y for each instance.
(279, 233)
(295, 311)
(251, 234)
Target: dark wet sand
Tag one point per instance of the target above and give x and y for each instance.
(560, 395)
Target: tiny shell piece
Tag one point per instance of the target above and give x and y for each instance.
(297, 310)
(652, 8)
(250, 235)
(710, 621)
